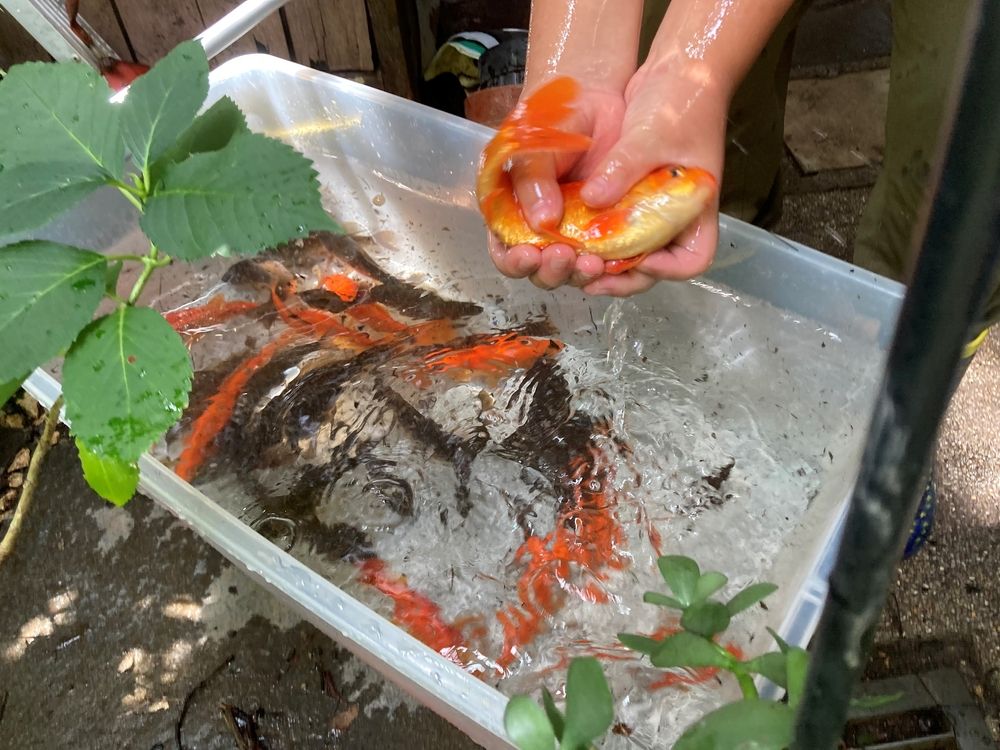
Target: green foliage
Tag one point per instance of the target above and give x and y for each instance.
(48, 292)
(686, 649)
(749, 723)
(126, 381)
(164, 102)
(205, 205)
(111, 478)
(589, 712)
(9, 387)
(203, 184)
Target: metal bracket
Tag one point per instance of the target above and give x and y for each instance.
(47, 22)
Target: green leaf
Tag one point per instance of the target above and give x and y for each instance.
(59, 112)
(110, 478)
(661, 600)
(706, 618)
(254, 193)
(164, 101)
(210, 131)
(782, 644)
(555, 717)
(589, 705)
(708, 584)
(526, 725)
(681, 574)
(48, 292)
(798, 666)
(9, 388)
(750, 596)
(640, 643)
(31, 194)
(750, 724)
(686, 649)
(114, 268)
(126, 381)
(772, 665)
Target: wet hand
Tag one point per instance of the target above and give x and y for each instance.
(675, 114)
(536, 178)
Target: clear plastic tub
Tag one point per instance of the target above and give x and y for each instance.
(403, 173)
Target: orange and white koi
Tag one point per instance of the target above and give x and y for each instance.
(654, 211)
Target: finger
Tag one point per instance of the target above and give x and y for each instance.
(627, 162)
(557, 263)
(515, 262)
(621, 285)
(587, 269)
(537, 190)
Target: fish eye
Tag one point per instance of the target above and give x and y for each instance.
(676, 172)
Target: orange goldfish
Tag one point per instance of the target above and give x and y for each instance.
(647, 218)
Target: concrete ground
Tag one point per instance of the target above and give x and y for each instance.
(122, 629)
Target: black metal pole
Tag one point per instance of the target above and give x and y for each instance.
(959, 246)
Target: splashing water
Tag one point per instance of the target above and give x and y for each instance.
(505, 499)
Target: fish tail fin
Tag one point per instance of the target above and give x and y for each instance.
(532, 126)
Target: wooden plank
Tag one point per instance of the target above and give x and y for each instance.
(330, 35)
(393, 50)
(100, 14)
(155, 29)
(16, 44)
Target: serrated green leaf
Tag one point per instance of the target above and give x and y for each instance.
(527, 726)
(708, 584)
(750, 596)
(661, 600)
(706, 618)
(796, 669)
(210, 131)
(681, 574)
(163, 102)
(126, 381)
(782, 644)
(689, 650)
(31, 194)
(771, 665)
(48, 293)
(555, 717)
(59, 112)
(110, 478)
(9, 388)
(750, 723)
(254, 193)
(639, 643)
(589, 705)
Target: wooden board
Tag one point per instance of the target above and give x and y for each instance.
(155, 29)
(392, 46)
(330, 35)
(100, 14)
(16, 44)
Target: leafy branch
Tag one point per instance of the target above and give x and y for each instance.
(203, 184)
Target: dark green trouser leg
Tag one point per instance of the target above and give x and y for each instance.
(927, 37)
(751, 181)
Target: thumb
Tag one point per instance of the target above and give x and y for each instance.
(627, 162)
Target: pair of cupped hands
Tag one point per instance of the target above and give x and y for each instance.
(662, 117)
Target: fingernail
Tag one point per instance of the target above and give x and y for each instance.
(593, 190)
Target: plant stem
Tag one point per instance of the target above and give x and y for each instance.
(150, 263)
(128, 193)
(31, 481)
(746, 684)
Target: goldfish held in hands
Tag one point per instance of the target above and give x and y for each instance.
(653, 212)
